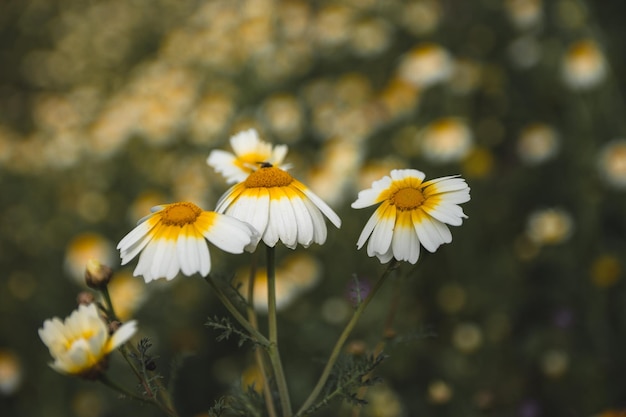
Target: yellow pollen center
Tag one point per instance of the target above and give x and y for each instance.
(267, 177)
(180, 214)
(407, 198)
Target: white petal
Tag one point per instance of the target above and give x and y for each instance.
(278, 154)
(431, 232)
(164, 256)
(317, 219)
(405, 244)
(324, 208)
(456, 197)
(446, 184)
(135, 235)
(229, 234)
(400, 174)
(228, 197)
(447, 213)
(367, 230)
(283, 217)
(186, 251)
(261, 210)
(371, 196)
(225, 163)
(245, 142)
(385, 257)
(304, 222)
(380, 241)
(129, 254)
(121, 335)
(145, 262)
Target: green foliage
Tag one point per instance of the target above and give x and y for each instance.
(350, 373)
(226, 328)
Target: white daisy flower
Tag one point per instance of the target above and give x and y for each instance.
(80, 344)
(412, 212)
(250, 152)
(584, 65)
(279, 207)
(173, 238)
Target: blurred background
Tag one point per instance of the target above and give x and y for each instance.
(108, 107)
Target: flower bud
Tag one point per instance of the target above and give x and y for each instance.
(84, 298)
(97, 275)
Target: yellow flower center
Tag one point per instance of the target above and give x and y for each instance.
(407, 198)
(180, 214)
(267, 177)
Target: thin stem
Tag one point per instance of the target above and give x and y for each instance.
(388, 333)
(107, 298)
(115, 387)
(342, 339)
(273, 353)
(258, 354)
(236, 314)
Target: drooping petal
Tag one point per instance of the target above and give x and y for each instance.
(122, 335)
(380, 240)
(229, 234)
(405, 243)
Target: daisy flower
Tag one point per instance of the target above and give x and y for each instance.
(279, 207)
(250, 151)
(173, 238)
(412, 212)
(81, 343)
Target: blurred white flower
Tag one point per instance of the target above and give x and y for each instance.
(80, 344)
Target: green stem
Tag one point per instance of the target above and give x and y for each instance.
(342, 339)
(236, 314)
(258, 354)
(152, 399)
(279, 375)
(115, 387)
(107, 298)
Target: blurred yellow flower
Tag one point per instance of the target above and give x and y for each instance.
(549, 226)
(584, 65)
(426, 65)
(448, 139)
(605, 271)
(250, 152)
(537, 143)
(84, 247)
(524, 13)
(11, 373)
(612, 163)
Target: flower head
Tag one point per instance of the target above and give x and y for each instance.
(584, 65)
(80, 344)
(172, 239)
(250, 151)
(279, 207)
(412, 212)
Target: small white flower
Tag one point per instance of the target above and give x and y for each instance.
(250, 152)
(584, 65)
(448, 139)
(279, 207)
(173, 238)
(81, 343)
(412, 212)
(426, 65)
